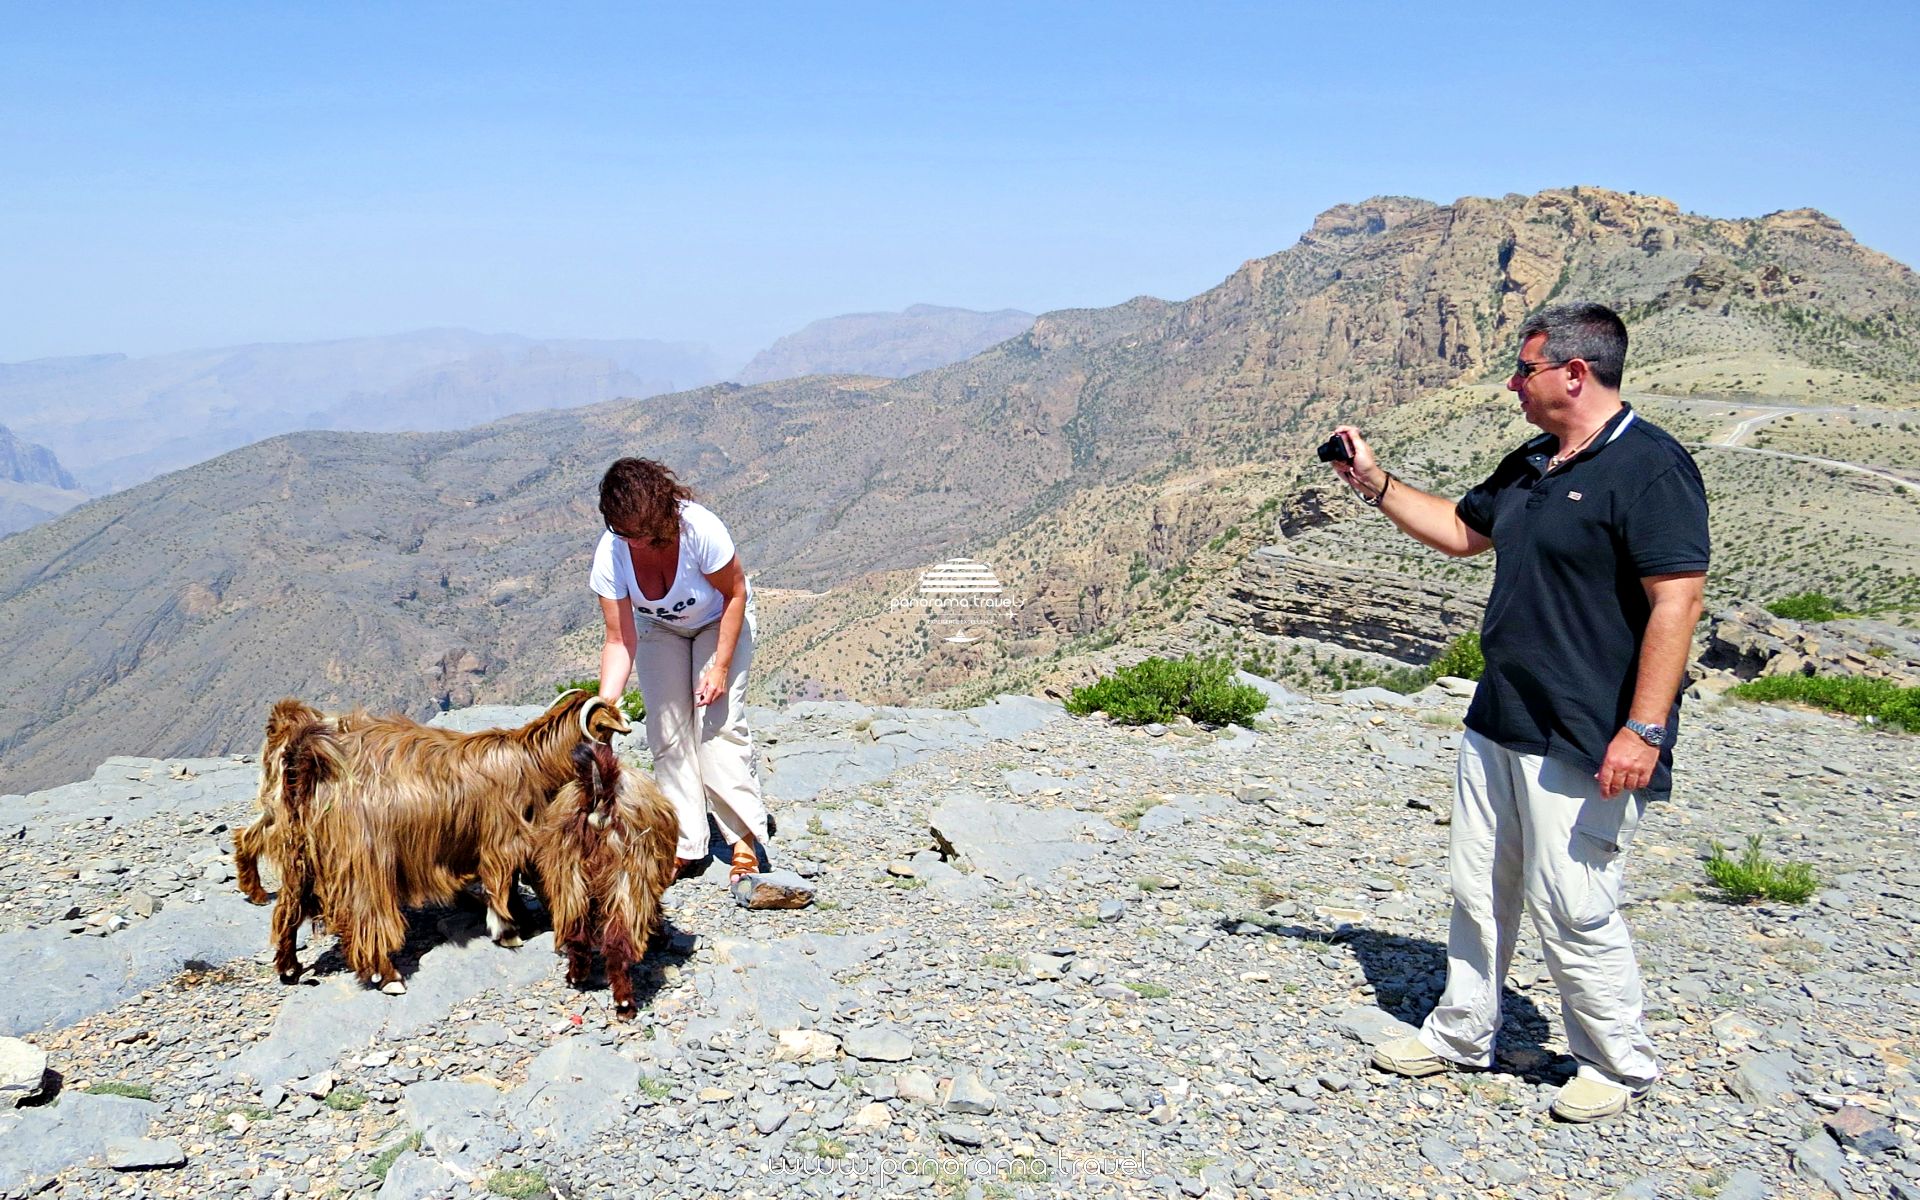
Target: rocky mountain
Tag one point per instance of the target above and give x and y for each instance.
(119, 420)
(34, 487)
(888, 344)
(1115, 467)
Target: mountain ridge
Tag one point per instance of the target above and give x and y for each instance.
(1111, 464)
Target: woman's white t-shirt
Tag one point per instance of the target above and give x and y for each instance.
(691, 602)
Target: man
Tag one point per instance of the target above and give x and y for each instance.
(1601, 528)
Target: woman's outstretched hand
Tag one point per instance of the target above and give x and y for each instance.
(712, 685)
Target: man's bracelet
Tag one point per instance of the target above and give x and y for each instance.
(1379, 495)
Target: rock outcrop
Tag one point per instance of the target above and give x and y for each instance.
(1284, 594)
(1747, 643)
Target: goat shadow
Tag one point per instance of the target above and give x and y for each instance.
(1407, 975)
(465, 921)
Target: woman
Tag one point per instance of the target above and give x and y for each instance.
(679, 613)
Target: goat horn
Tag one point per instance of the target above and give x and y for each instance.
(586, 710)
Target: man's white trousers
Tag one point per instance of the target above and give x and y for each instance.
(1534, 831)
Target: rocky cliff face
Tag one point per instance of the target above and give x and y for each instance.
(1283, 594)
(24, 462)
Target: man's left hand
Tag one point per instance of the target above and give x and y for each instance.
(1628, 766)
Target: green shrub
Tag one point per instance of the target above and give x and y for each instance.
(1879, 700)
(346, 1099)
(1804, 606)
(1159, 689)
(1461, 659)
(133, 1091)
(518, 1185)
(379, 1167)
(630, 704)
(1753, 876)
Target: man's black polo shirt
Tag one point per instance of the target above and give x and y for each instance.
(1565, 620)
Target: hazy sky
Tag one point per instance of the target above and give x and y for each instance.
(178, 175)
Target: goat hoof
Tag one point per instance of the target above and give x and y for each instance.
(394, 987)
(289, 977)
(625, 1012)
(510, 940)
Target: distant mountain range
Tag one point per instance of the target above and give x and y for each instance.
(892, 345)
(118, 421)
(1100, 462)
(34, 487)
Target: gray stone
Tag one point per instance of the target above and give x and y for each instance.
(1764, 1079)
(315, 1025)
(54, 980)
(1101, 1100)
(961, 1134)
(41, 1142)
(1277, 696)
(1160, 818)
(1373, 1026)
(877, 1043)
(971, 1097)
(23, 1071)
(782, 983)
(1820, 1160)
(769, 1119)
(1744, 1184)
(142, 1154)
(575, 1091)
(1007, 842)
(1112, 910)
(1043, 966)
(1441, 1153)
(413, 1177)
(462, 1123)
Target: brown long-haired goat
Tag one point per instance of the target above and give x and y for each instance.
(605, 853)
(367, 816)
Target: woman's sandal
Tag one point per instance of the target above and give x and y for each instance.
(746, 861)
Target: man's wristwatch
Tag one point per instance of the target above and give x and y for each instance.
(1652, 735)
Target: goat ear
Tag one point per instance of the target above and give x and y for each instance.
(601, 719)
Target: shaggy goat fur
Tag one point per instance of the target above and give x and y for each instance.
(367, 816)
(605, 852)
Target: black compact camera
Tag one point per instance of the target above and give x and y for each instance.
(1336, 449)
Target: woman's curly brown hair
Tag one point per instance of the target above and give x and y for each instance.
(640, 498)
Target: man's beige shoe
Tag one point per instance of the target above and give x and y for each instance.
(1409, 1056)
(1584, 1100)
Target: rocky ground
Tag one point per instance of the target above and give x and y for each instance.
(1049, 956)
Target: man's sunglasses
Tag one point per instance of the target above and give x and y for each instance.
(1526, 370)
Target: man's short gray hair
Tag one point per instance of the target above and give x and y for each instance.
(1593, 333)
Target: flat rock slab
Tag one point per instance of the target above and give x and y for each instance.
(877, 1043)
(54, 980)
(143, 1154)
(316, 1024)
(1372, 1026)
(38, 1143)
(130, 789)
(416, 1177)
(814, 747)
(783, 983)
(1009, 842)
(574, 1092)
(462, 1123)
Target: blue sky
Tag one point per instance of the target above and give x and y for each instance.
(181, 175)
